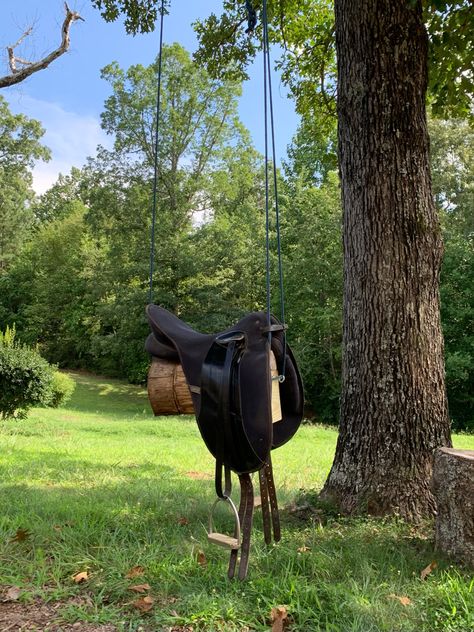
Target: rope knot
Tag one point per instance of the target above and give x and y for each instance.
(251, 17)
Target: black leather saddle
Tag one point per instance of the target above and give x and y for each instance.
(198, 353)
(230, 380)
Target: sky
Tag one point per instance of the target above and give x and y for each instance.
(68, 96)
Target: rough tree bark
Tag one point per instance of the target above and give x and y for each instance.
(453, 484)
(393, 405)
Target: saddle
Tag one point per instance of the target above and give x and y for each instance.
(229, 377)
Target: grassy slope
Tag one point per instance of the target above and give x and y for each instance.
(103, 487)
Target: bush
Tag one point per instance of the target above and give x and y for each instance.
(63, 387)
(26, 380)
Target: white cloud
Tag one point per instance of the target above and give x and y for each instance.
(71, 137)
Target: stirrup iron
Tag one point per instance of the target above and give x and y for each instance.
(222, 539)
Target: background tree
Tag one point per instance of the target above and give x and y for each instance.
(393, 404)
(313, 280)
(452, 166)
(19, 148)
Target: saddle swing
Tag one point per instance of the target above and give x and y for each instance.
(242, 410)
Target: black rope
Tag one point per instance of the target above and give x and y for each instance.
(155, 173)
(268, 96)
(267, 192)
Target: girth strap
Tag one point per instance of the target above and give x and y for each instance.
(268, 470)
(246, 519)
(225, 437)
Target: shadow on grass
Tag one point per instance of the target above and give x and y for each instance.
(80, 489)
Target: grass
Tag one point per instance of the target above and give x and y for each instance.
(101, 486)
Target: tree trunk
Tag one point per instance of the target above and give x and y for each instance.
(453, 484)
(393, 404)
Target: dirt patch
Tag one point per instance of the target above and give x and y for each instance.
(39, 616)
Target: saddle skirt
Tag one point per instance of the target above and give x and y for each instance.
(235, 419)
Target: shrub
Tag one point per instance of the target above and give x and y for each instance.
(63, 387)
(26, 380)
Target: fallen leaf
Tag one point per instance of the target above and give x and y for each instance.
(140, 588)
(13, 594)
(201, 559)
(303, 549)
(136, 571)
(426, 571)
(183, 521)
(405, 601)
(144, 604)
(81, 577)
(277, 617)
(21, 535)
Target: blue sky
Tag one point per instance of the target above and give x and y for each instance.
(68, 96)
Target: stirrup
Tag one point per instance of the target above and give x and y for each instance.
(222, 539)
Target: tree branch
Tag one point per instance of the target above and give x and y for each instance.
(20, 74)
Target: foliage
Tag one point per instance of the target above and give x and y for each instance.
(53, 280)
(19, 148)
(26, 379)
(313, 264)
(305, 31)
(303, 28)
(7, 337)
(60, 200)
(312, 154)
(457, 300)
(452, 166)
(140, 15)
(62, 389)
(451, 56)
(112, 488)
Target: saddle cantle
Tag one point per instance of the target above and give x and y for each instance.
(230, 380)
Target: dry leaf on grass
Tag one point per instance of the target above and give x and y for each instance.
(183, 522)
(78, 578)
(140, 588)
(201, 559)
(430, 568)
(144, 604)
(405, 601)
(21, 535)
(136, 571)
(13, 594)
(277, 617)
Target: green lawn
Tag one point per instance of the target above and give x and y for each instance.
(101, 486)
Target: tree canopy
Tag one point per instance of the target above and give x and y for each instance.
(305, 31)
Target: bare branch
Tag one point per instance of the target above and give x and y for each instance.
(20, 74)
